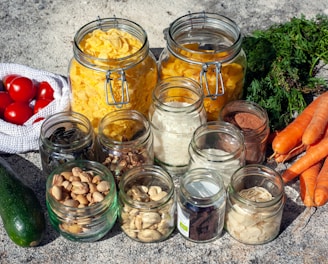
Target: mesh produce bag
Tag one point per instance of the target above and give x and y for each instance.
(24, 138)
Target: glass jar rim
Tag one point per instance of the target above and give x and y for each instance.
(95, 208)
(259, 169)
(218, 126)
(178, 82)
(142, 171)
(112, 22)
(209, 176)
(124, 114)
(206, 21)
(56, 119)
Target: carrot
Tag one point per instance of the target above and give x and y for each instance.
(312, 155)
(308, 180)
(291, 154)
(317, 127)
(321, 188)
(291, 135)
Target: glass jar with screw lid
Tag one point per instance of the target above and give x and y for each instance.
(65, 136)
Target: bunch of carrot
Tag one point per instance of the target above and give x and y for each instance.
(307, 133)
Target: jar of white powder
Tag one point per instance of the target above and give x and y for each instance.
(177, 110)
(218, 145)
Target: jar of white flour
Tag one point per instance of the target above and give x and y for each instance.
(176, 111)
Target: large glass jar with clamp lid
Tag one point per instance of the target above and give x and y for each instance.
(112, 68)
(207, 48)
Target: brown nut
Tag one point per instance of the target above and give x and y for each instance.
(148, 235)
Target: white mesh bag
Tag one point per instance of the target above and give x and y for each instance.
(24, 138)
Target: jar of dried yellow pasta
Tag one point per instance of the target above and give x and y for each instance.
(112, 68)
(206, 47)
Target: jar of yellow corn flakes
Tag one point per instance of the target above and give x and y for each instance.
(112, 68)
(207, 48)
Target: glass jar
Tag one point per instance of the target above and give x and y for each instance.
(217, 145)
(112, 68)
(176, 111)
(253, 120)
(78, 211)
(124, 141)
(201, 205)
(147, 204)
(206, 47)
(65, 136)
(255, 204)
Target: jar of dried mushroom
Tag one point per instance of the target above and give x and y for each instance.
(81, 200)
(112, 68)
(217, 145)
(201, 205)
(147, 204)
(255, 204)
(125, 141)
(65, 136)
(176, 111)
(253, 121)
(206, 47)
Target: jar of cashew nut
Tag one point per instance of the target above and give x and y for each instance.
(112, 68)
(255, 203)
(147, 204)
(207, 48)
(81, 200)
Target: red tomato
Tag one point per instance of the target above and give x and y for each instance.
(22, 89)
(7, 80)
(18, 113)
(38, 120)
(5, 100)
(39, 104)
(45, 91)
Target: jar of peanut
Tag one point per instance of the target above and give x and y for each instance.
(206, 47)
(112, 68)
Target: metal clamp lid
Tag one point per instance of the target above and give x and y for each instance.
(219, 78)
(125, 97)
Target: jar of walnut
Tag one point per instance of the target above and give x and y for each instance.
(81, 200)
(124, 141)
(147, 204)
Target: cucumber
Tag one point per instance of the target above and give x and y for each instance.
(20, 210)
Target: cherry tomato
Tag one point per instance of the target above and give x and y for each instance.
(8, 78)
(38, 120)
(39, 104)
(22, 89)
(18, 113)
(45, 91)
(5, 100)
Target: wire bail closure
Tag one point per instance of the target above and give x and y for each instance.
(219, 78)
(110, 98)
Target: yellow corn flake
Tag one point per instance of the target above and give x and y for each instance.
(88, 85)
(232, 74)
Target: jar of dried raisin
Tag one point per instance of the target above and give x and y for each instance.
(255, 203)
(206, 47)
(112, 68)
(64, 137)
(124, 141)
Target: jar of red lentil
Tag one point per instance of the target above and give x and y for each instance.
(112, 68)
(253, 121)
(206, 47)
